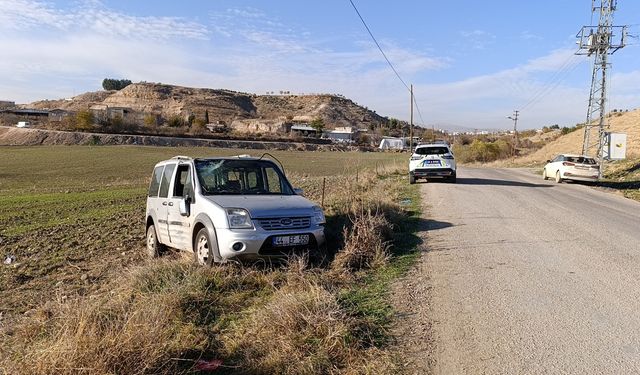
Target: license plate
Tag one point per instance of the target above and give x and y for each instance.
(292, 240)
(427, 162)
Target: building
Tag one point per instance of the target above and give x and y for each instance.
(5, 104)
(341, 134)
(304, 130)
(58, 114)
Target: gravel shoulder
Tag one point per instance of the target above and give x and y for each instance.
(520, 275)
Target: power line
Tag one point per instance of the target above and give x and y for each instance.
(378, 44)
(422, 122)
(556, 79)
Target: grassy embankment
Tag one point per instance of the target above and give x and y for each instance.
(82, 298)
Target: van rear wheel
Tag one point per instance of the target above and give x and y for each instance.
(154, 247)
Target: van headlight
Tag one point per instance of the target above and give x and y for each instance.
(318, 215)
(239, 218)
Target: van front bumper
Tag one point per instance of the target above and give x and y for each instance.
(259, 243)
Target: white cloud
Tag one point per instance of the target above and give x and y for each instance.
(478, 39)
(30, 15)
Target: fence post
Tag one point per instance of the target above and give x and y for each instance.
(324, 180)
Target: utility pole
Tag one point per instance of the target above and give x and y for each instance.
(411, 123)
(601, 43)
(516, 113)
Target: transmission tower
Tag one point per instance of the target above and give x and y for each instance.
(599, 41)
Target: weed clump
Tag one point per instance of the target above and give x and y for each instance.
(301, 330)
(365, 243)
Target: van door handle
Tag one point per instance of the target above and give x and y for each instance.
(170, 203)
(164, 203)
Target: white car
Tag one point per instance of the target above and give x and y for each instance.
(571, 167)
(229, 208)
(432, 161)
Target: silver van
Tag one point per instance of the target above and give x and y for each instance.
(229, 208)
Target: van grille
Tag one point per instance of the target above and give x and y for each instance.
(279, 223)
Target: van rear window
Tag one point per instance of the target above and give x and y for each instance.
(155, 181)
(432, 150)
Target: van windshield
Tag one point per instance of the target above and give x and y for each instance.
(241, 177)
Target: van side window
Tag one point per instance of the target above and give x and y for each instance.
(166, 180)
(183, 185)
(155, 181)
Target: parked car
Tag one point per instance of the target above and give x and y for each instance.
(571, 167)
(432, 161)
(229, 208)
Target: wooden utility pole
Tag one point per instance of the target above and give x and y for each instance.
(516, 113)
(411, 123)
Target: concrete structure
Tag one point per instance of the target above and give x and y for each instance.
(58, 114)
(341, 134)
(304, 130)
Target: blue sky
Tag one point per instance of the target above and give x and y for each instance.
(471, 62)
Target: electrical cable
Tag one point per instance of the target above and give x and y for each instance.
(378, 44)
(387, 59)
(567, 67)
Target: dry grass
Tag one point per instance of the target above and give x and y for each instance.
(161, 317)
(154, 313)
(301, 330)
(365, 243)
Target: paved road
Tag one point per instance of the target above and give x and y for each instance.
(525, 276)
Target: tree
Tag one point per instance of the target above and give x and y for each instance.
(115, 84)
(84, 120)
(318, 124)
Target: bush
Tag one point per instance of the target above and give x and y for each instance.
(176, 122)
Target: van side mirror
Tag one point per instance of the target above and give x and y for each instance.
(185, 206)
(548, 161)
(298, 191)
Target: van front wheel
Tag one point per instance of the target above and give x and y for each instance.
(203, 251)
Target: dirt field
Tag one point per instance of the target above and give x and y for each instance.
(73, 215)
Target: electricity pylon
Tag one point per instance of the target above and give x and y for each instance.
(599, 43)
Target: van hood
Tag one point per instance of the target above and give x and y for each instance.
(261, 206)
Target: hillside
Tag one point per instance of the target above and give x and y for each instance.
(628, 122)
(221, 105)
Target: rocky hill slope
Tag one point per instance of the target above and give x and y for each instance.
(222, 105)
(627, 122)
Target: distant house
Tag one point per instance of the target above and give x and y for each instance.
(342, 134)
(5, 104)
(58, 114)
(33, 114)
(103, 112)
(304, 130)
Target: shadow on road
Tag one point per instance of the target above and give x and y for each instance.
(619, 185)
(430, 225)
(485, 181)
